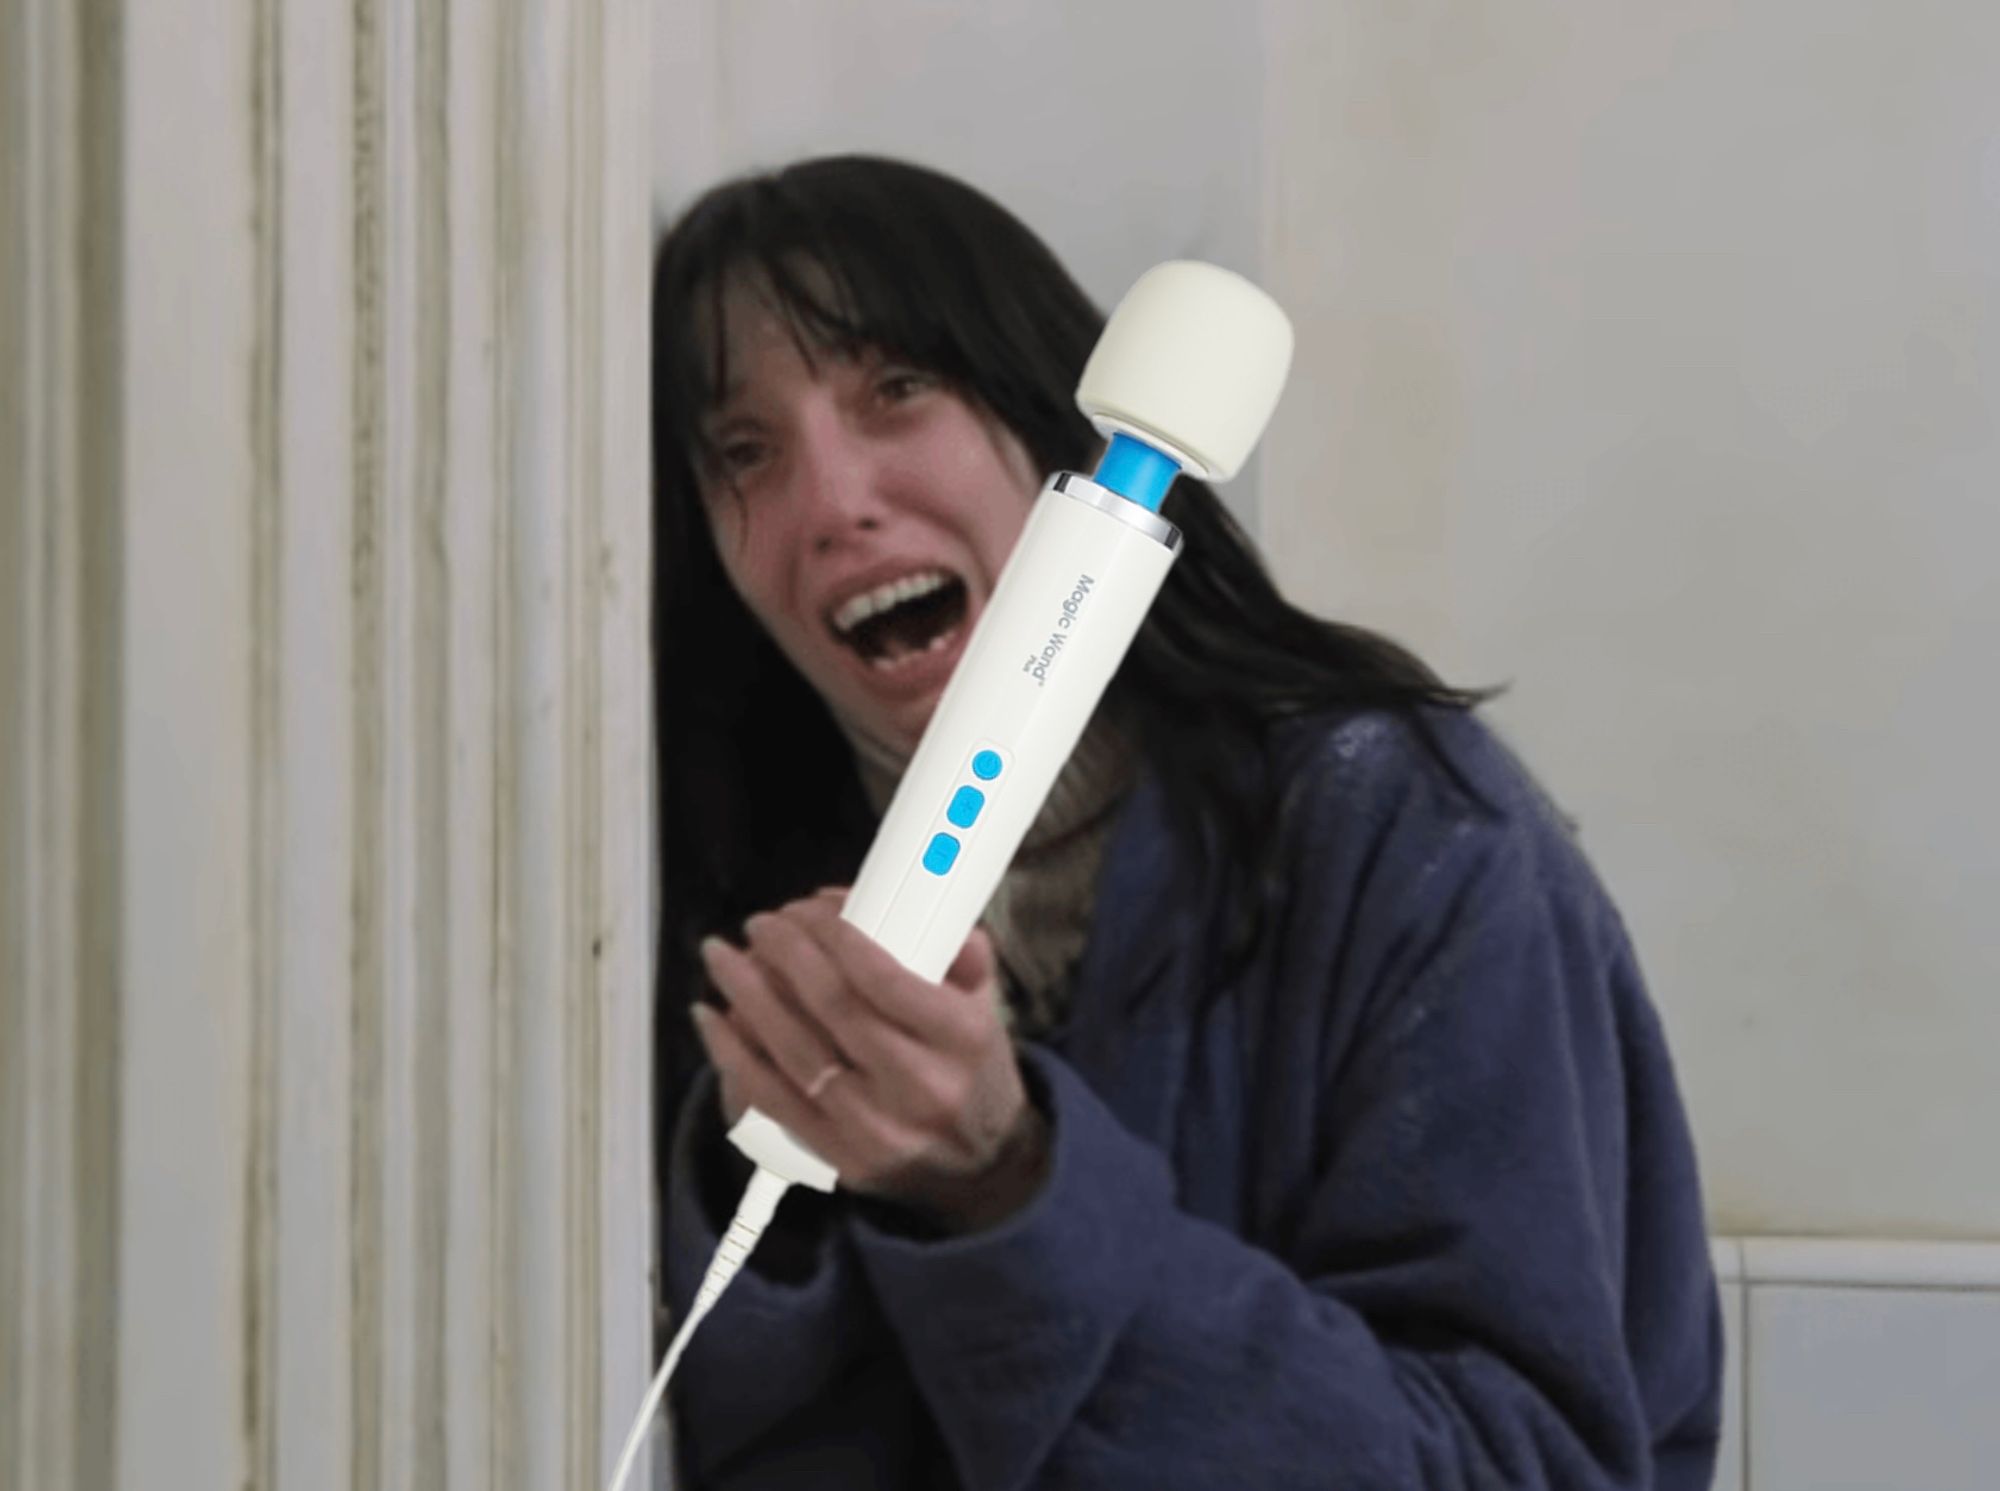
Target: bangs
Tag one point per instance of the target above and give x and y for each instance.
(855, 255)
(842, 283)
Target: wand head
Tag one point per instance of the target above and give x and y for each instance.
(1189, 368)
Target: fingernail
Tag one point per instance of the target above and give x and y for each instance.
(710, 945)
(698, 1012)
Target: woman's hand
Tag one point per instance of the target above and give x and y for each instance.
(910, 1089)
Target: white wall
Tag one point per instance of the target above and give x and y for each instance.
(1120, 140)
(1650, 360)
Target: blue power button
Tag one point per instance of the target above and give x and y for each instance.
(942, 852)
(986, 765)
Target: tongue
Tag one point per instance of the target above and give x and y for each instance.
(912, 626)
(906, 635)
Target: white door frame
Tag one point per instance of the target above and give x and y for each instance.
(325, 925)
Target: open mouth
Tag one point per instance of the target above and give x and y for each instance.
(904, 619)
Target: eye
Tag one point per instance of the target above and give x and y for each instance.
(899, 385)
(734, 457)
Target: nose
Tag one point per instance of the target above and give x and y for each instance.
(838, 480)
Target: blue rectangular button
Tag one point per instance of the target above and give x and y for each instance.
(965, 806)
(943, 850)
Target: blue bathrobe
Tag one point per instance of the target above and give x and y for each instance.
(1413, 1203)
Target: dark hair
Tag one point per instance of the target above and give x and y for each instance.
(760, 799)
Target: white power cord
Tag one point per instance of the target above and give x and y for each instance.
(782, 1162)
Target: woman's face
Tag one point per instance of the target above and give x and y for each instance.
(877, 508)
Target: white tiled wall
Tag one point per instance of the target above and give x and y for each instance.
(1860, 1366)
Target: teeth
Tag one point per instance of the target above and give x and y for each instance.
(882, 597)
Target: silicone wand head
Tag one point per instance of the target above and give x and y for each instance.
(1185, 377)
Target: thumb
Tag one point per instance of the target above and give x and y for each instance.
(974, 967)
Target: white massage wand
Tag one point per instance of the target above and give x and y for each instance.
(1184, 379)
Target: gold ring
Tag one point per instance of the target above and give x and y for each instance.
(827, 1073)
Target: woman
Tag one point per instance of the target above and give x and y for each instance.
(1298, 1117)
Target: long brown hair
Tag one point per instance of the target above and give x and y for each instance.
(760, 798)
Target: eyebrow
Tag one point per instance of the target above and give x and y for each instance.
(715, 423)
(855, 352)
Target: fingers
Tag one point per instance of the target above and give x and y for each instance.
(812, 990)
(796, 1047)
(842, 1125)
(728, 1089)
(823, 993)
(754, 1082)
(929, 1058)
(975, 966)
(914, 1005)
